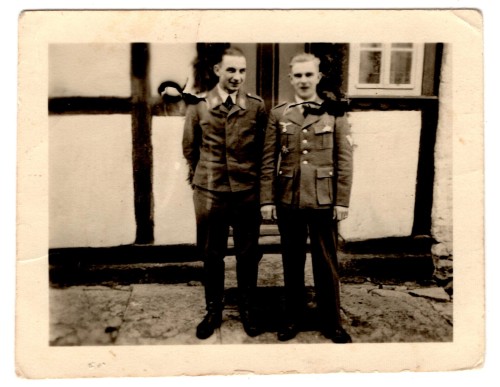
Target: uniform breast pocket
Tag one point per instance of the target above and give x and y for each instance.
(324, 185)
(211, 130)
(287, 135)
(246, 126)
(324, 137)
(246, 131)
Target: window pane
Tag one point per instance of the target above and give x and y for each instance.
(369, 67)
(402, 45)
(400, 67)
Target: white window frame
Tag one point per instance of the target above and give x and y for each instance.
(385, 88)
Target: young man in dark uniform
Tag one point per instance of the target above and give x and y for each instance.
(222, 143)
(306, 183)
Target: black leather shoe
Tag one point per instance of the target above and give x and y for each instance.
(287, 332)
(339, 336)
(208, 325)
(249, 324)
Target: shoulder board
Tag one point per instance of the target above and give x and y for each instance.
(255, 97)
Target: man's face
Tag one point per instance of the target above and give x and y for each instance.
(231, 72)
(304, 77)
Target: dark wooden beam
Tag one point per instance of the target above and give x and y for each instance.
(90, 105)
(267, 77)
(437, 67)
(424, 195)
(425, 172)
(431, 69)
(115, 105)
(142, 149)
(364, 103)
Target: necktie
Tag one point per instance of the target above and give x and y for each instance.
(312, 109)
(229, 103)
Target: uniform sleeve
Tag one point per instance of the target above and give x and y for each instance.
(261, 125)
(262, 119)
(343, 161)
(269, 160)
(191, 140)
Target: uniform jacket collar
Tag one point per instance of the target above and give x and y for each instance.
(294, 113)
(215, 102)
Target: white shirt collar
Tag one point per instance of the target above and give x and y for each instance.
(223, 94)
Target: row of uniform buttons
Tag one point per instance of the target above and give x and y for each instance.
(305, 151)
(304, 141)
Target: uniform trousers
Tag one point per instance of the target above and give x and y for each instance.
(215, 213)
(295, 225)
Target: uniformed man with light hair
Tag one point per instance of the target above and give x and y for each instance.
(222, 143)
(306, 183)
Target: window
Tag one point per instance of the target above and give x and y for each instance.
(385, 69)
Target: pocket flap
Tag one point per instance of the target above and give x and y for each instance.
(323, 129)
(324, 172)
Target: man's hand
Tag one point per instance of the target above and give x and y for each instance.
(340, 213)
(268, 212)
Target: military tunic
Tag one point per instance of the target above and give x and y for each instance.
(307, 162)
(223, 148)
(306, 170)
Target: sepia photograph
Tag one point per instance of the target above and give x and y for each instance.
(144, 246)
(247, 196)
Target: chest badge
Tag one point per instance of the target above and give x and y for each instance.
(284, 125)
(285, 150)
(327, 129)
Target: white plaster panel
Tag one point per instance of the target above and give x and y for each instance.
(89, 70)
(170, 62)
(174, 62)
(386, 148)
(174, 212)
(91, 193)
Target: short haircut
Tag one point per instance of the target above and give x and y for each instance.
(232, 51)
(304, 57)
